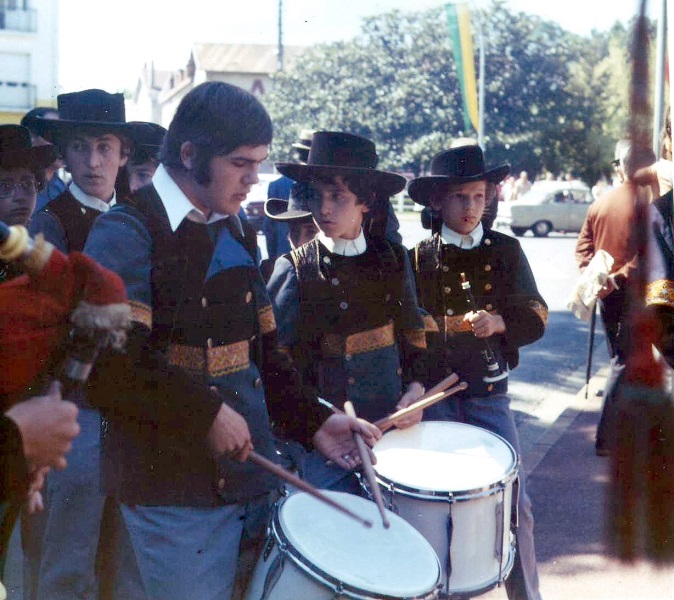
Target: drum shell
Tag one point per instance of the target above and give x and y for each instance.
(480, 526)
(483, 538)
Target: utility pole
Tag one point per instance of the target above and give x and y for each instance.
(279, 63)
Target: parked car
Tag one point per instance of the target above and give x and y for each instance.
(253, 205)
(547, 206)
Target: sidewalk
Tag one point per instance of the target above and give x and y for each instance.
(568, 484)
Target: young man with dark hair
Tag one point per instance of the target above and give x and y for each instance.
(509, 313)
(95, 141)
(203, 366)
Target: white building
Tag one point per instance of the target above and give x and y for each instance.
(28, 56)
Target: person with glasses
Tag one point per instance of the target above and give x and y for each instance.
(21, 170)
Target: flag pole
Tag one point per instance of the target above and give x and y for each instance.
(480, 88)
(659, 87)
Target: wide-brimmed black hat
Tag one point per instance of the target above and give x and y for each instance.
(296, 208)
(454, 166)
(304, 143)
(16, 150)
(335, 153)
(95, 110)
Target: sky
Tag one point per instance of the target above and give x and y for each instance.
(108, 50)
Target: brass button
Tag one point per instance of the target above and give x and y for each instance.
(487, 268)
(221, 483)
(487, 286)
(450, 312)
(445, 268)
(399, 371)
(249, 296)
(490, 387)
(488, 307)
(334, 281)
(351, 380)
(388, 297)
(204, 302)
(343, 305)
(487, 242)
(447, 289)
(213, 388)
(326, 260)
(209, 342)
(83, 210)
(257, 383)
(348, 357)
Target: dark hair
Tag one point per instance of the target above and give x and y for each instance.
(217, 118)
(29, 119)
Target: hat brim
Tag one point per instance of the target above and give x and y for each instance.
(277, 209)
(422, 189)
(384, 181)
(36, 157)
(54, 129)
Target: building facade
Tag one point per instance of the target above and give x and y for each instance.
(28, 56)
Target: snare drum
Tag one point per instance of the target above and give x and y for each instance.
(314, 551)
(454, 483)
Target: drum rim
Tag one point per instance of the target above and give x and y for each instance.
(287, 547)
(456, 495)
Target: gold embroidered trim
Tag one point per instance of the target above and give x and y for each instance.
(540, 310)
(455, 324)
(660, 292)
(265, 317)
(216, 362)
(416, 337)
(141, 313)
(358, 343)
(430, 324)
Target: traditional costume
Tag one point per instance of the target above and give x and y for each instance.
(501, 280)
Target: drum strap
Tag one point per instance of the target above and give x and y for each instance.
(450, 532)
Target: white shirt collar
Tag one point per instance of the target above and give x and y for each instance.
(177, 204)
(91, 201)
(465, 242)
(344, 247)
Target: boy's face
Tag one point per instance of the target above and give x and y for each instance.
(232, 176)
(141, 175)
(336, 210)
(461, 206)
(18, 193)
(93, 161)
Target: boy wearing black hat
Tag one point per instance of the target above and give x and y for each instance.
(344, 302)
(479, 342)
(95, 141)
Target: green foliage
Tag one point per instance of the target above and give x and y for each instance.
(554, 101)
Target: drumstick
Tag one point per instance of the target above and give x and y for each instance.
(279, 471)
(387, 422)
(367, 467)
(441, 387)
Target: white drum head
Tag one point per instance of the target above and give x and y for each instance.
(396, 562)
(444, 457)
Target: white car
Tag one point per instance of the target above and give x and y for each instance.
(547, 206)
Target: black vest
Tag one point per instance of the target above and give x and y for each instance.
(75, 219)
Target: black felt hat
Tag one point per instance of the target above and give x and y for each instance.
(148, 138)
(95, 110)
(455, 166)
(296, 208)
(16, 150)
(335, 153)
